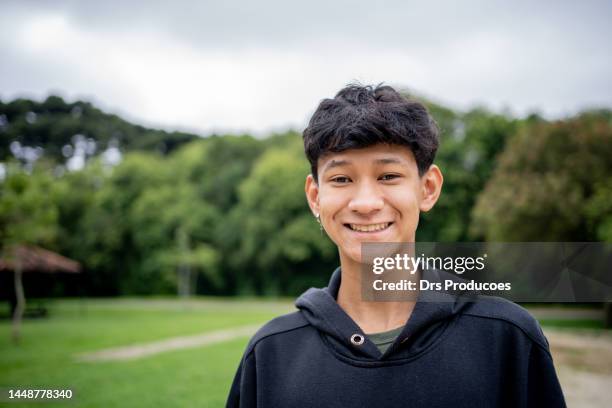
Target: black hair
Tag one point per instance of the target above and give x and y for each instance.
(360, 116)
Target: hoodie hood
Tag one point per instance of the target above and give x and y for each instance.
(432, 314)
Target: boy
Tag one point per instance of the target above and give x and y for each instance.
(371, 153)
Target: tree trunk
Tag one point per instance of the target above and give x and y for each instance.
(184, 267)
(21, 302)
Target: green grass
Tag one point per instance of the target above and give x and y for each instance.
(182, 378)
(190, 377)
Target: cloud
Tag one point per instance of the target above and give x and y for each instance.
(257, 66)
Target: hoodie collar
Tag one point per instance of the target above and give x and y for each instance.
(320, 308)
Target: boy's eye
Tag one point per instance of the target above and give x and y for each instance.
(387, 177)
(340, 179)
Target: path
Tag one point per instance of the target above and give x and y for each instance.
(137, 351)
(583, 360)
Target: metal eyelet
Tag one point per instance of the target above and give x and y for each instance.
(357, 339)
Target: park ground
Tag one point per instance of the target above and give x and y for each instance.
(173, 353)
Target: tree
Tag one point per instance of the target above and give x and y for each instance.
(280, 241)
(173, 229)
(552, 183)
(54, 125)
(106, 235)
(216, 166)
(27, 216)
(469, 145)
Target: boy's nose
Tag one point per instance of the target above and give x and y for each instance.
(366, 200)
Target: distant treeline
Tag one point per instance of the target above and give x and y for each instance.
(54, 124)
(151, 212)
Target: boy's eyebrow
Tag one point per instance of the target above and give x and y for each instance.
(388, 160)
(338, 163)
(335, 163)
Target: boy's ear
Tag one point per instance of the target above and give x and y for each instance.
(312, 194)
(431, 186)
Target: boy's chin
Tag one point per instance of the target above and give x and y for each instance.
(353, 255)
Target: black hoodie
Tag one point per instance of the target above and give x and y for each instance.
(452, 353)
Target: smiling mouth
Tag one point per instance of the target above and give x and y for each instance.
(368, 227)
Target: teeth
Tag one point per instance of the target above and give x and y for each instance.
(369, 228)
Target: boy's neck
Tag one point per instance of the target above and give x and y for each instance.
(371, 317)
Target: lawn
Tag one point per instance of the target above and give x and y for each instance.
(198, 376)
(190, 377)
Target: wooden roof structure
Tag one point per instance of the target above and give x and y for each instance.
(36, 259)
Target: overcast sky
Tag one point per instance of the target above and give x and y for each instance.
(261, 66)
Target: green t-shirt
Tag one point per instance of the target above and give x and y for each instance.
(384, 340)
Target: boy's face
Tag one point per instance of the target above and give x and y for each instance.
(372, 194)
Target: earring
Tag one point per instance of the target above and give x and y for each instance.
(318, 217)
